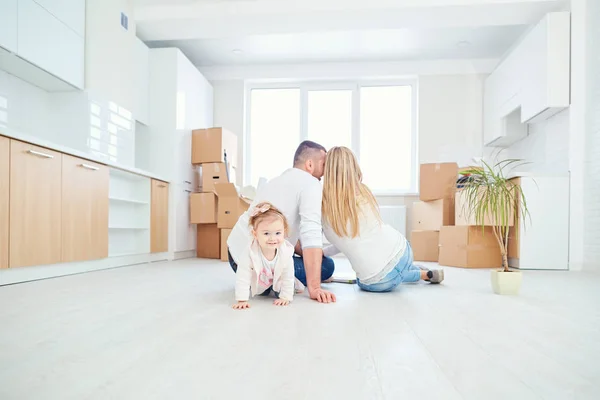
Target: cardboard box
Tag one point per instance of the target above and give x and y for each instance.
(437, 181)
(231, 205)
(214, 145)
(469, 247)
(464, 217)
(224, 249)
(203, 208)
(425, 245)
(208, 242)
(208, 174)
(432, 215)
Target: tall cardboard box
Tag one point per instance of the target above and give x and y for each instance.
(469, 247)
(432, 215)
(425, 245)
(203, 208)
(437, 181)
(208, 244)
(464, 217)
(214, 145)
(224, 249)
(231, 205)
(210, 173)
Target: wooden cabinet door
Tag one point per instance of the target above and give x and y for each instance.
(35, 205)
(4, 196)
(84, 210)
(159, 217)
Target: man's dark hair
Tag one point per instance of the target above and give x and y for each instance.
(306, 150)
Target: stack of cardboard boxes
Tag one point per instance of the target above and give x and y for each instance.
(435, 210)
(441, 230)
(216, 205)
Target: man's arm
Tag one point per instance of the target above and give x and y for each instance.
(311, 238)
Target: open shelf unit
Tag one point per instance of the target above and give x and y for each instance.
(129, 214)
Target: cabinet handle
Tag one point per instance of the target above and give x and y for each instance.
(189, 191)
(37, 153)
(187, 182)
(88, 166)
(162, 185)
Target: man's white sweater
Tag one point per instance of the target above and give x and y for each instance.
(297, 194)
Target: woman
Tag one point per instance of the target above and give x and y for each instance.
(379, 254)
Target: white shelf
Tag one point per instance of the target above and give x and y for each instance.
(132, 201)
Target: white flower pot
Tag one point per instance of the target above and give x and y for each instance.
(506, 282)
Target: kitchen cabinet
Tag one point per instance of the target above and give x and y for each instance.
(4, 197)
(159, 217)
(58, 51)
(541, 240)
(531, 84)
(84, 209)
(35, 205)
(8, 24)
(69, 12)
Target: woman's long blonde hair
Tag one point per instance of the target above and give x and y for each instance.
(344, 193)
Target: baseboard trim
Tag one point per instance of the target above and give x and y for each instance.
(27, 274)
(180, 255)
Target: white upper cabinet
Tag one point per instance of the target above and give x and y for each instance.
(531, 84)
(8, 24)
(46, 42)
(69, 12)
(547, 70)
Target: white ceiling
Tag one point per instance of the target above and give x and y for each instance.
(364, 45)
(312, 31)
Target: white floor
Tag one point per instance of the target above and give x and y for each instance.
(166, 331)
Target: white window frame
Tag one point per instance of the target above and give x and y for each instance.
(355, 86)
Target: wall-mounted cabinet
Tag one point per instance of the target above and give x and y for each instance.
(45, 40)
(8, 24)
(531, 84)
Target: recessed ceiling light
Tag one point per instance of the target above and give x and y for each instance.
(463, 43)
(237, 52)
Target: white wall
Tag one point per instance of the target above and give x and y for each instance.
(546, 146)
(450, 118)
(75, 120)
(109, 52)
(591, 202)
(229, 114)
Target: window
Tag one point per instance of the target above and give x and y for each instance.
(377, 121)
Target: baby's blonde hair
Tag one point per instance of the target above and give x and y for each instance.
(344, 193)
(263, 211)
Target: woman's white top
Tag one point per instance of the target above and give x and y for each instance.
(374, 252)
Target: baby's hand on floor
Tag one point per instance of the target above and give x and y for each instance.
(281, 302)
(240, 305)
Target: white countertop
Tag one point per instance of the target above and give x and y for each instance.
(77, 153)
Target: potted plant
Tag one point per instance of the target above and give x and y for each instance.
(492, 198)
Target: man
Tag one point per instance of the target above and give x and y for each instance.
(297, 193)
